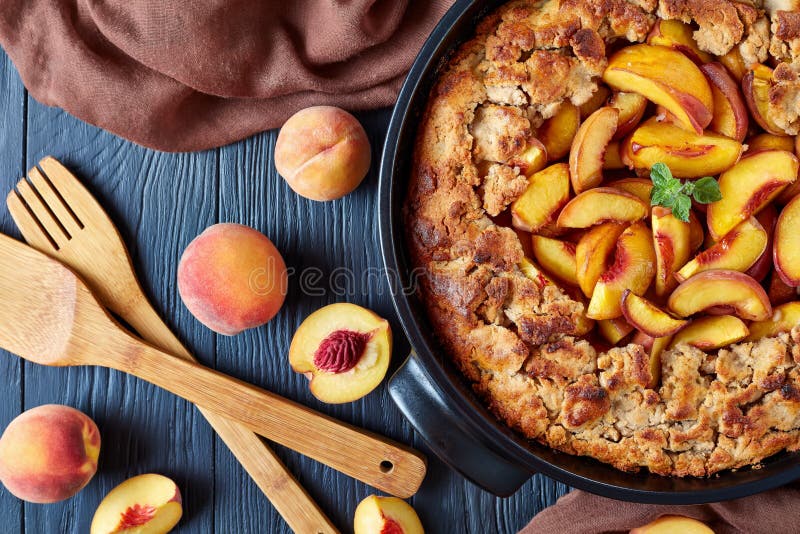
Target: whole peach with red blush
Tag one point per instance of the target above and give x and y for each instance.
(231, 277)
(322, 152)
(49, 453)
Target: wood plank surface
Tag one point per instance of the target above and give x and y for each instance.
(161, 202)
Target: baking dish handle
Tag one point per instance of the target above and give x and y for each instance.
(448, 436)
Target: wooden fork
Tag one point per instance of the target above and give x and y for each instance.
(91, 245)
(57, 218)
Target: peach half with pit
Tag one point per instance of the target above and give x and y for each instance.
(738, 250)
(386, 515)
(48, 453)
(687, 154)
(602, 204)
(231, 278)
(144, 504)
(647, 317)
(322, 152)
(633, 268)
(666, 77)
(588, 149)
(672, 241)
(786, 246)
(547, 193)
(723, 292)
(748, 187)
(344, 350)
(711, 332)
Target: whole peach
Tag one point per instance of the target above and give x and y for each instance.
(49, 453)
(231, 277)
(322, 152)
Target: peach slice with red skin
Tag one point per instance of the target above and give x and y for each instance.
(647, 317)
(730, 111)
(672, 240)
(678, 35)
(592, 252)
(638, 187)
(557, 132)
(633, 268)
(547, 193)
(613, 330)
(738, 250)
(729, 292)
(602, 204)
(783, 319)
(556, 257)
(767, 218)
(755, 86)
(673, 524)
(344, 350)
(666, 77)
(786, 249)
(145, 504)
(687, 154)
(768, 141)
(589, 146)
(711, 332)
(748, 187)
(631, 108)
(386, 515)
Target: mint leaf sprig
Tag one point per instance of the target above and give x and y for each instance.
(669, 192)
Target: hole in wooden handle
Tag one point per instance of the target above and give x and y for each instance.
(386, 466)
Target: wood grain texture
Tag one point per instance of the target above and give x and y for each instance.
(161, 202)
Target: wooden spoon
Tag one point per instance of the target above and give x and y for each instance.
(49, 316)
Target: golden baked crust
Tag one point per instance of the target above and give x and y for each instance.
(516, 339)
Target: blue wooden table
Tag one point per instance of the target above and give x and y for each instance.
(160, 203)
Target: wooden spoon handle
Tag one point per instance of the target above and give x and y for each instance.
(285, 493)
(372, 459)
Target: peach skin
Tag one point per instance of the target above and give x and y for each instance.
(49, 453)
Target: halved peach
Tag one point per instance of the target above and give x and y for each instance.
(783, 319)
(755, 86)
(673, 524)
(613, 330)
(711, 332)
(531, 160)
(647, 317)
(592, 253)
(557, 132)
(696, 233)
(633, 268)
(725, 291)
(344, 350)
(767, 218)
(678, 35)
(547, 193)
(638, 187)
(734, 62)
(145, 504)
(588, 148)
(631, 108)
(786, 249)
(768, 141)
(556, 257)
(672, 240)
(386, 515)
(613, 160)
(779, 292)
(595, 102)
(730, 111)
(601, 204)
(748, 187)
(738, 250)
(687, 154)
(664, 76)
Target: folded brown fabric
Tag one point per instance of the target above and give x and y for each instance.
(186, 75)
(771, 512)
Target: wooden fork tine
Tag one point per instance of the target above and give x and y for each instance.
(31, 229)
(54, 201)
(73, 192)
(40, 211)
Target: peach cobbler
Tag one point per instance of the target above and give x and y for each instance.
(604, 203)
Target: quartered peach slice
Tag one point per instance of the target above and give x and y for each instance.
(589, 148)
(602, 204)
(711, 332)
(672, 240)
(647, 317)
(738, 250)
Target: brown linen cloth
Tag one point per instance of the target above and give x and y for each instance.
(772, 512)
(181, 75)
